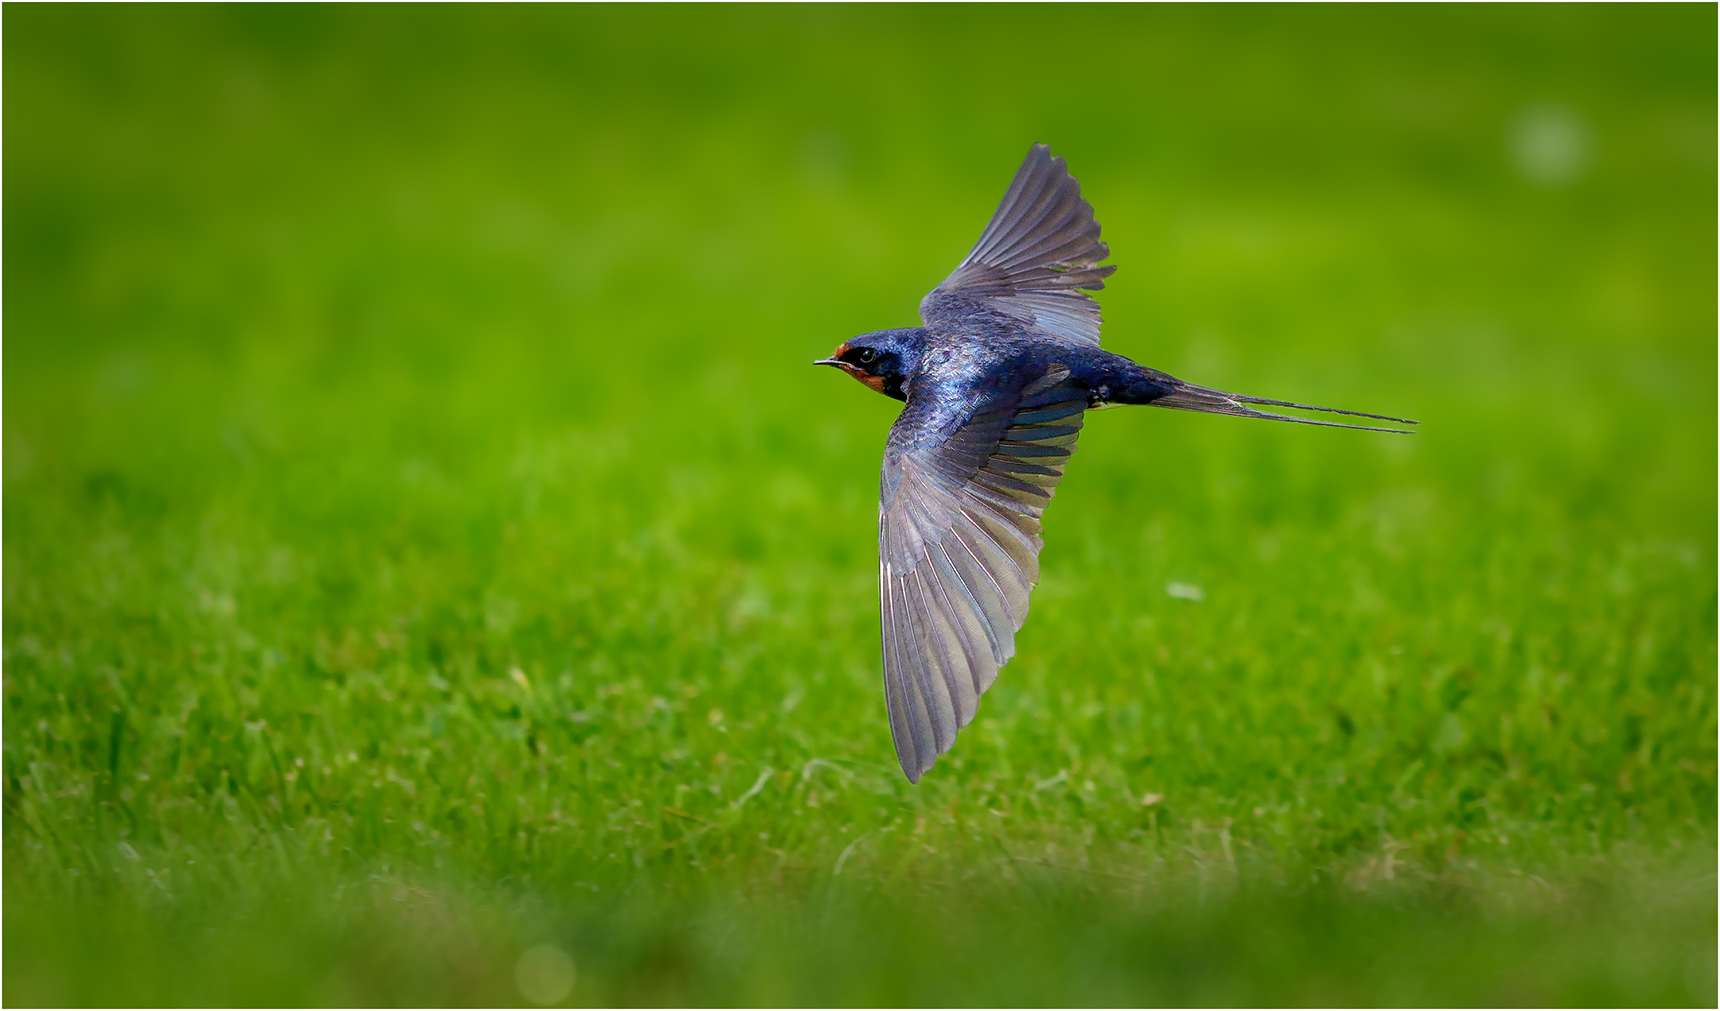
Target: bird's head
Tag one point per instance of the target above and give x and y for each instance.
(881, 361)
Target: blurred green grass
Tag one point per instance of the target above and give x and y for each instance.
(424, 537)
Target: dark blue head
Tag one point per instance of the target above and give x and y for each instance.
(881, 360)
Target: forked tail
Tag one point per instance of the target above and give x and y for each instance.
(1188, 397)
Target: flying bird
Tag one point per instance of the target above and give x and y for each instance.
(996, 383)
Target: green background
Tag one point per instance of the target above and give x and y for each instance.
(425, 538)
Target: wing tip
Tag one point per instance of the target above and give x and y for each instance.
(913, 775)
(915, 768)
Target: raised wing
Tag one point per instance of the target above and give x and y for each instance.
(1036, 260)
(958, 554)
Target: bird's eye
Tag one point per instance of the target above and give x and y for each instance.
(867, 355)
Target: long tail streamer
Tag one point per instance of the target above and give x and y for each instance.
(1188, 397)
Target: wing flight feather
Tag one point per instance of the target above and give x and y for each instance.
(958, 543)
(1036, 260)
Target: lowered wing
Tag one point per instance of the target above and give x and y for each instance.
(958, 554)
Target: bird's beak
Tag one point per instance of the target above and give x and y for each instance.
(835, 356)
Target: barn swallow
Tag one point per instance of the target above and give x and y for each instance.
(996, 382)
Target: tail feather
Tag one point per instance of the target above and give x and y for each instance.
(1188, 397)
